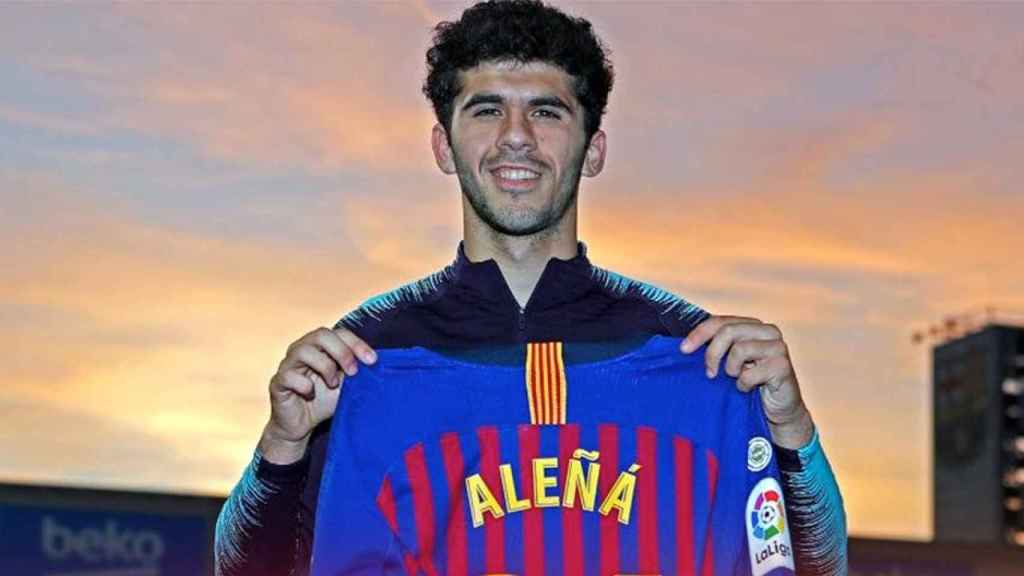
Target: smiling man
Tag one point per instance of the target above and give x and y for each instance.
(522, 148)
(519, 89)
(526, 185)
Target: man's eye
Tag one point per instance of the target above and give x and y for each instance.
(545, 113)
(486, 112)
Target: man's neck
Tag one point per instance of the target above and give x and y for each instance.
(522, 259)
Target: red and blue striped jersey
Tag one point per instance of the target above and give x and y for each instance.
(638, 464)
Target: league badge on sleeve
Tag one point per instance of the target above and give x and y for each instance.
(759, 454)
(768, 530)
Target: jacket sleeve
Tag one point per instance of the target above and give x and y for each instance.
(266, 525)
(815, 510)
(258, 528)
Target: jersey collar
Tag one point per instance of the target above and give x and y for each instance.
(561, 282)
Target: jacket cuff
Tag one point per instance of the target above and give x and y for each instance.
(280, 474)
(796, 460)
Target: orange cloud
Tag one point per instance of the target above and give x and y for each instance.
(114, 327)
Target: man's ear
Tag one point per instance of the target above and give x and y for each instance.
(442, 150)
(593, 162)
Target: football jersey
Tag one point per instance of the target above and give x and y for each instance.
(637, 464)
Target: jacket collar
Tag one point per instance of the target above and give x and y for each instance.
(562, 281)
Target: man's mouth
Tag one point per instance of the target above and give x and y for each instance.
(515, 178)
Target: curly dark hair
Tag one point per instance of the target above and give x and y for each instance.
(521, 31)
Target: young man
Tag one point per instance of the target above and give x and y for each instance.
(519, 90)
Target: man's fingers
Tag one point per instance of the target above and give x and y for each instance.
(300, 352)
(731, 333)
(754, 375)
(746, 351)
(723, 339)
(341, 347)
(317, 360)
(739, 354)
(356, 344)
(707, 329)
(294, 381)
(336, 348)
(318, 384)
(336, 381)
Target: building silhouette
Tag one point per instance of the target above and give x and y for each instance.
(978, 397)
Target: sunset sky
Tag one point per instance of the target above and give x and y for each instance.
(186, 189)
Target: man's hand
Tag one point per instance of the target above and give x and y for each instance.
(757, 356)
(304, 391)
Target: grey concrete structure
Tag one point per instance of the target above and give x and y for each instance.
(978, 380)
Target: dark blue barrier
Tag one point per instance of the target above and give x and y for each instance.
(79, 542)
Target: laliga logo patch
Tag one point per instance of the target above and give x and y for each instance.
(768, 518)
(767, 533)
(759, 454)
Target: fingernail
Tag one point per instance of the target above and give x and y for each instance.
(370, 357)
(709, 372)
(687, 346)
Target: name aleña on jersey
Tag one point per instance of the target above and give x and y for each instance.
(579, 486)
(637, 464)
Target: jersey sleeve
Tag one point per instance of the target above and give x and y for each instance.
(750, 533)
(767, 528)
(352, 534)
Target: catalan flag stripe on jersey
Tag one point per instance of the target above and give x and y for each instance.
(545, 382)
(638, 464)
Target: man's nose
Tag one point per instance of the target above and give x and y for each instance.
(516, 132)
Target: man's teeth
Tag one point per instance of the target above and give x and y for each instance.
(508, 174)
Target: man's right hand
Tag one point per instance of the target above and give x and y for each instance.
(304, 391)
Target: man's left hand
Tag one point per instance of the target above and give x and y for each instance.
(756, 355)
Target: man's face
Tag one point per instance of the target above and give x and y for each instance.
(518, 145)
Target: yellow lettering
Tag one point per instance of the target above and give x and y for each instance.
(588, 455)
(541, 483)
(481, 500)
(585, 485)
(620, 496)
(512, 502)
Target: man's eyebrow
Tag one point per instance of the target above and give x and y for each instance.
(552, 101)
(490, 98)
(485, 98)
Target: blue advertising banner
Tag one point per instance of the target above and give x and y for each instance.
(77, 542)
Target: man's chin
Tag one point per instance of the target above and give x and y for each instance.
(518, 227)
(509, 213)
(521, 232)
